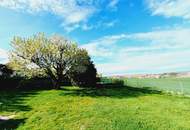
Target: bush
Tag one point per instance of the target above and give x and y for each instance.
(10, 83)
(5, 71)
(106, 81)
(35, 83)
(85, 79)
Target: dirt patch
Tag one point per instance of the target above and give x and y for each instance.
(5, 118)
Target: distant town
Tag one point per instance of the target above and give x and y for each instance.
(162, 75)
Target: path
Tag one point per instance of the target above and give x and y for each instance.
(5, 118)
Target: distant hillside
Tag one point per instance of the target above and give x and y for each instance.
(162, 75)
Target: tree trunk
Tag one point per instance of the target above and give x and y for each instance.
(56, 84)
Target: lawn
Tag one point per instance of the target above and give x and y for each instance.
(120, 108)
(173, 85)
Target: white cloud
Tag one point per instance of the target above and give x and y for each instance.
(103, 47)
(96, 50)
(110, 24)
(74, 14)
(3, 56)
(87, 27)
(147, 63)
(71, 27)
(113, 4)
(99, 24)
(71, 11)
(170, 8)
(170, 38)
(156, 51)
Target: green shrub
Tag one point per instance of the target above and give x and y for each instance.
(112, 81)
(35, 83)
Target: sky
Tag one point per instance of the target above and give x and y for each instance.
(121, 36)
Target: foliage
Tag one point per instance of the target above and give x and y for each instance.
(8, 79)
(56, 56)
(86, 78)
(10, 83)
(113, 81)
(35, 83)
(5, 71)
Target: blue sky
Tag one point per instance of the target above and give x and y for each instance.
(122, 36)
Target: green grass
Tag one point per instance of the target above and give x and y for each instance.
(103, 109)
(174, 85)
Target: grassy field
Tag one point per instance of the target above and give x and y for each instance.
(121, 108)
(174, 85)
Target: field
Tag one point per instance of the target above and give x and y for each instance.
(173, 85)
(119, 108)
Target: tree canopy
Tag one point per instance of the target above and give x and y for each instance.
(54, 56)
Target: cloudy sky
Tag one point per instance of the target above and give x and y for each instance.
(122, 36)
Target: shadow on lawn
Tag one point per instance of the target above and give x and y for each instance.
(12, 98)
(11, 124)
(13, 101)
(110, 90)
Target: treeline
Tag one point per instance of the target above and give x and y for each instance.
(47, 61)
(11, 80)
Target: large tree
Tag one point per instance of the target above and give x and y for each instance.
(56, 56)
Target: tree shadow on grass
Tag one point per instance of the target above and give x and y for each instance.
(11, 124)
(14, 101)
(110, 90)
